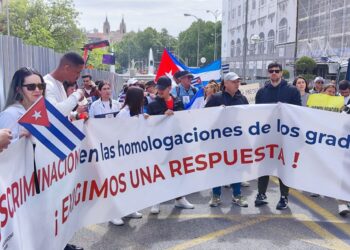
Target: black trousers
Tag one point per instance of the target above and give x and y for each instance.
(263, 181)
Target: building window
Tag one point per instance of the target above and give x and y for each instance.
(262, 3)
(271, 42)
(254, 4)
(238, 47)
(233, 48)
(261, 46)
(239, 10)
(282, 31)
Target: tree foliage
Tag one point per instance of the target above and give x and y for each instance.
(305, 65)
(48, 23)
(187, 47)
(136, 46)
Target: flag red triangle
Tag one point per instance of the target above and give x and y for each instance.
(36, 114)
(166, 66)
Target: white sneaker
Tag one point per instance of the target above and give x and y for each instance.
(135, 215)
(245, 184)
(343, 209)
(117, 222)
(155, 209)
(183, 203)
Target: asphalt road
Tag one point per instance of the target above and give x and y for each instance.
(308, 223)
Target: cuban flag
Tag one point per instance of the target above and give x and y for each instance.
(169, 65)
(51, 128)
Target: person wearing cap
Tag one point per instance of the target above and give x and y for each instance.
(229, 96)
(184, 90)
(166, 104)
(176, 77)
(275, 90)
(318, 85)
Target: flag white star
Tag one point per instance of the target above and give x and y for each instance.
(169, 74)
(37, 115)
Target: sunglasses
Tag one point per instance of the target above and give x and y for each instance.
(274, 71)
(33, 86)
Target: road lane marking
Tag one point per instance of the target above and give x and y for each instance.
(219, 233)
(331, 241)
(343, 226)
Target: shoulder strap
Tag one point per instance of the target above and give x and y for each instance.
(194, 90)
(177, 91)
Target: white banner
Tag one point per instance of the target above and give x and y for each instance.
(125, 165)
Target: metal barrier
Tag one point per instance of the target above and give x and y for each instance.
(14, 54)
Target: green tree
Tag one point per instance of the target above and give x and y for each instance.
(188, 42)
(51, 23)
(305, 65)
(136, 46)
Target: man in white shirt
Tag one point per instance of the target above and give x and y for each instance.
(69, 68)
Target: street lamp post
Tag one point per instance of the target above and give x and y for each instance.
(215, 14)
(186, 14)
(8, 18)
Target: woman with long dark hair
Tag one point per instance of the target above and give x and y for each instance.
(303, 86)
(133, 104)
(27, 86)
(105, 106)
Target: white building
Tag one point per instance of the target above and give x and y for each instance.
(324, 29)
(273, 21)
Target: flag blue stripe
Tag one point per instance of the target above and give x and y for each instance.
(44, 140)
(200, 93)
(64, 120)
(61, 137)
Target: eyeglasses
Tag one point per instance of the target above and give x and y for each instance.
(274, 71)
(33, 86)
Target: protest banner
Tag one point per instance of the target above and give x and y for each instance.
(125, 165)
(326, 102)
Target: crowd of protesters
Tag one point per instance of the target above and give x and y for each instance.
(163, 97)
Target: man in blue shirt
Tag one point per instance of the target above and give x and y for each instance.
(184, 90)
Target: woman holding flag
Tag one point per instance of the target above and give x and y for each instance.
(26, 87)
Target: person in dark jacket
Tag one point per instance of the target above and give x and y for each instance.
(229, 96)
(166, 104)
(275, 90)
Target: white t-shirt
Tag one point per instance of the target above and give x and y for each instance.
(124, 112)
(57, 96)
(9, 118)
(99, 107)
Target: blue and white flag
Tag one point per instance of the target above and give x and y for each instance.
(44, 121)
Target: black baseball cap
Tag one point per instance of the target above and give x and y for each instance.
(163, 82)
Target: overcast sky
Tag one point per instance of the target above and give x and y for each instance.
(140, 14)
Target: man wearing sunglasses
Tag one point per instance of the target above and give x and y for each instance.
(275, 90)
(69, 68)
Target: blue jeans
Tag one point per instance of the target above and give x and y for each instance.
(236, 189)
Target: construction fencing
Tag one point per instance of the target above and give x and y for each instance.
(14, 54)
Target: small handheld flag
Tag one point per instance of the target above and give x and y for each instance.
(51, 128)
